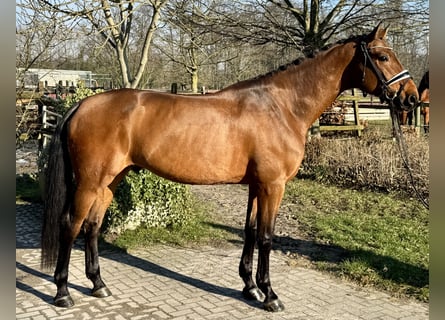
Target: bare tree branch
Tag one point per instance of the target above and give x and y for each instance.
(113, 21)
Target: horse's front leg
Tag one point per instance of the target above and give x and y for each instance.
(250, 290)
(269, 199)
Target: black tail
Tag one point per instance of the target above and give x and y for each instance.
(59, 187)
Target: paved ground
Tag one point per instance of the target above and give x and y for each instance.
(163, 282)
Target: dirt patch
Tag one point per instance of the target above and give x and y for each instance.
(26, 158)
(229, 205)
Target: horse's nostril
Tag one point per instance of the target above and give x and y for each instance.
(411, 100)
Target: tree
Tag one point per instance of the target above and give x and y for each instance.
(221, 40)
(409, 23)
(39, 38)
(308, 25)
(113, 21)
(186, 41)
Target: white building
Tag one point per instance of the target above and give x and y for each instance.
(50, 78)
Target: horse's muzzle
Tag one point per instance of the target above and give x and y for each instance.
(411, 101)
(406, 103)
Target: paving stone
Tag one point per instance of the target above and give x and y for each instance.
(163, 282)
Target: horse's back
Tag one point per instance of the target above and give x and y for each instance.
(190, 139)
(186, 139)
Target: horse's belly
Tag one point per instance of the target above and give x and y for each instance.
(198, 173)
(197, 165)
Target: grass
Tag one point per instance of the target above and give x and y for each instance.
(197, 230)
(384, 237)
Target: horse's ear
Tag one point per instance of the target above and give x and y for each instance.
(378, 33)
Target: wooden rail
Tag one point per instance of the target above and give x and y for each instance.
(49, 124)
(359, 103)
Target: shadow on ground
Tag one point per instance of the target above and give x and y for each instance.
(385, 266)
(28, 224)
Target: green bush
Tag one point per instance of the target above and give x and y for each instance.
(80, 93)
(146, 199)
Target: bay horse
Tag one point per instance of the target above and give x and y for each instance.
(424, 97)
(252, 132)
(406, 117)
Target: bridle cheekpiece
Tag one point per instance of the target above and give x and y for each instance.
(404, 74)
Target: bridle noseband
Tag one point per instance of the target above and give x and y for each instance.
(404, 74)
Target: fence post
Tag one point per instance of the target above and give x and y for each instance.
(44, 127)
(174, 88)
(314, 130)
(417, 120)
(356, 114)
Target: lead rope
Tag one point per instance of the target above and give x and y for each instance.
(401, 144)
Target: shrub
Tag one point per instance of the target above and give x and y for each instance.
(372, 161)
(80, 93)
(146, 199)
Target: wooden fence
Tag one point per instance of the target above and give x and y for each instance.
(367, 108)
(49, 123)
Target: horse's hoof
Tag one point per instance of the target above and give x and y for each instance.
(64, 302)
(273, 306)
(253, 294)
(101, 292)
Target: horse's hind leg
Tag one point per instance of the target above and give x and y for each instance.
(69, 230)
(91, 229)
(63, 298)
(250, 290)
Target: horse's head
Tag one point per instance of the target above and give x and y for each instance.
(382, 73)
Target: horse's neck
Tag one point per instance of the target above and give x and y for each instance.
(425, 95)
(316, 83)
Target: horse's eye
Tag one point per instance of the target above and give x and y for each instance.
(383, 58)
